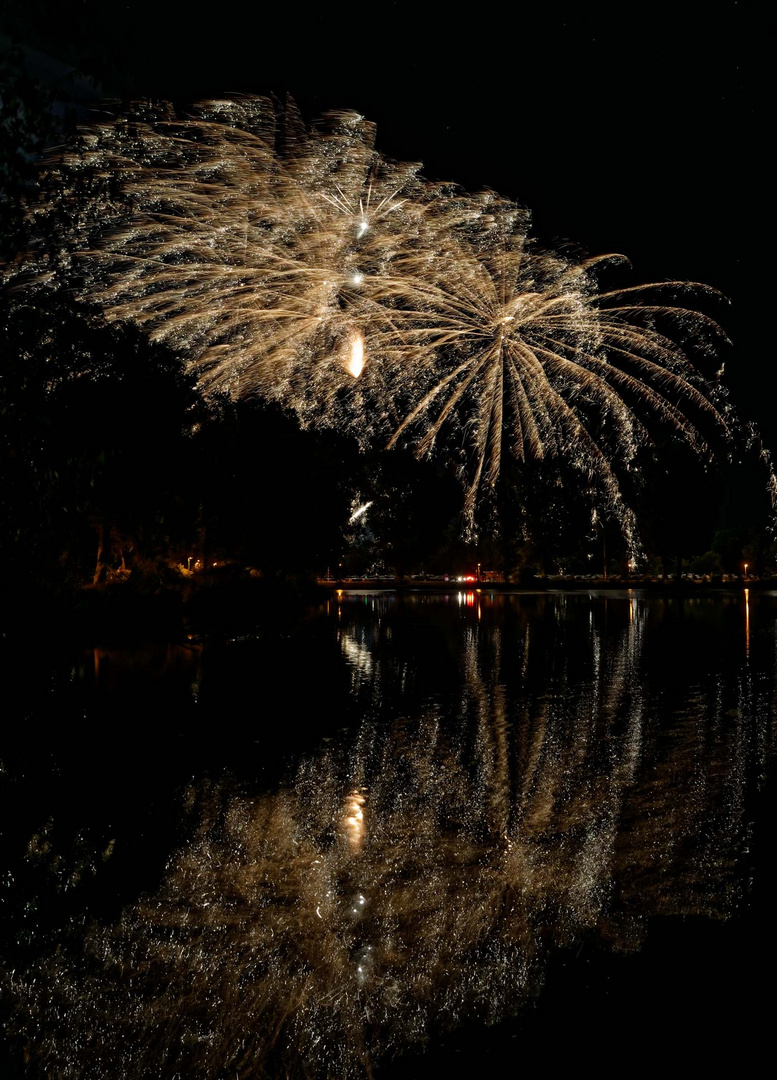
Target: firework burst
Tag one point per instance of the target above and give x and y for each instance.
(301, 266)
(533, 360)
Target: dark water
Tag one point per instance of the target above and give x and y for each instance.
(417, 836)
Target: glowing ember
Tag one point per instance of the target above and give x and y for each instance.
(356, 358)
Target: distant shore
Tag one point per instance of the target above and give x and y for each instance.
(227, 609)
(553, 582)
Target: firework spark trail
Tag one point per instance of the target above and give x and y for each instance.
(301, 266)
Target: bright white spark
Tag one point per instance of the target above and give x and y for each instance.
(359, 512)
(356, 359)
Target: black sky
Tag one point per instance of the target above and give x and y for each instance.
(631, 128)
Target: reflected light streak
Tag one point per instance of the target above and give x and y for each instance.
(747, 623)
(353, 820)
(358, 654)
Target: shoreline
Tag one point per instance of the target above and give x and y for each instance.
(128, 613)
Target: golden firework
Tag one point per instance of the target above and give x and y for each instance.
(301, 266)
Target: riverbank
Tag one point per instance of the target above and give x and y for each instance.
(686, 584)
(239, 604)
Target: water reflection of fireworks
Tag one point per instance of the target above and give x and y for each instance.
(404, 882)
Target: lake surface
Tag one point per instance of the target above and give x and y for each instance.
(408, 836)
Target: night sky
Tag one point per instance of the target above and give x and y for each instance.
(631, 129)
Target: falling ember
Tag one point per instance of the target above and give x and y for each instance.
(355, 364)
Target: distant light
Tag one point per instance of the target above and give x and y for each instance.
(357, 278)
